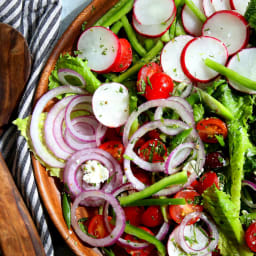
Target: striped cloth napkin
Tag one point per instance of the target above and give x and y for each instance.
(38, 21)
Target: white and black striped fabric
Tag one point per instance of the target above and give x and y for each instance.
(38, 21)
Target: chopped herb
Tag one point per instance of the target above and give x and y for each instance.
(84, 26)
(121, 89)
(127, 157)
(149, 83)
(220, 139)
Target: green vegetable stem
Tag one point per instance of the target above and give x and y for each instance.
(158, 201)
(116, 27)
(178, 178)
(195, 10)
(66, 209)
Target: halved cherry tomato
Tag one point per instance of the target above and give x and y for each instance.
(178, 212)
(125, 59)
(143, 176)
(145, 74)
(139, 252)
(133, 214)
(96, 226)
(153, 151)
(207, 180)
(210, 127)
(160, 86)
(250, 237)
(152, 217)
(115, 148)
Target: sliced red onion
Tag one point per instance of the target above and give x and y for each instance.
(165, 103)
(38, 146)
(77, 100)
(100, 133)
(120, 219)
(213, 238)
(187, 90)
(65, 73)
(253, 187)
(177, 157)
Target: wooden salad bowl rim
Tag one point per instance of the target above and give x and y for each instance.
(47, 185)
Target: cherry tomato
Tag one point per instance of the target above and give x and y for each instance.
(125, 59)
(133, 214)
(250, 237)
(152, 217)
(178, 212)
(210, 127)
(214, 160)
(153, 151)
(115, 148)
(207, 180)
(139, 252)
(145, 74)
(154, 134)
(160, 86)
(142, 175)
(96, 226)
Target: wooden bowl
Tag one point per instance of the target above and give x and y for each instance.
(48, 187)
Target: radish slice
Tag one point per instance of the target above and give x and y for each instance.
(191, 23)
(69, 76)
(151, 12)
(221, 5)
(244, 64)
(110, 104)
(208, 8)
(155, 30)
(170, 58)
(239, 5)
(191, 231)
(194, 54)
(230, 27)
(100, 46)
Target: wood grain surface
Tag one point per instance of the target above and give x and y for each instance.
(48, 186)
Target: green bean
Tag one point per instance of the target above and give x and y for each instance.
(66, 209)
(132, 37)
(179, 30)
(166, 37)
(177, 178)
(172, 29)
(142, 234)
(136, 67)
(149, 43)
(112, 12)
(164, 210)
(180, 138)
(195, 10)
(230, 74)
(116, 27)
(158, 201)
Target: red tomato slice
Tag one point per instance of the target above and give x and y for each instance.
(152, 217)
(207, 180)
(250, 237)
(178, 212)
(115, 148)
(153, 151)
(145, 74)
(210, 127)
(160, 86)
(96, 226)
(133, 214)
(125, 59)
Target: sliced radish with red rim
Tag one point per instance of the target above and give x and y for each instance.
(100, 46)
(230, 27)
(221, 5)
(155, 30)
(208, 8)
(151, 12)
(191, 23)
(194, 54)
(170, 58)
(239, 5)
(244, 64)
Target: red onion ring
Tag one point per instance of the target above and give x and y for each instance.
(38, 146)
(253, 187)
(120, 219)
(213, 240)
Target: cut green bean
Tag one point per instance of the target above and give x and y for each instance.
(137, 66)
(149, 43)
(116, 27)
(195, 10)
(132, 37)
(179, 30)
(172, 29)
(142, 234)
(180, 138)
(66, 209)
(230, 74)
(164, 209)
(166, 37)
(177, 178)
(179, 3)
(112, 12)
(158, 201)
